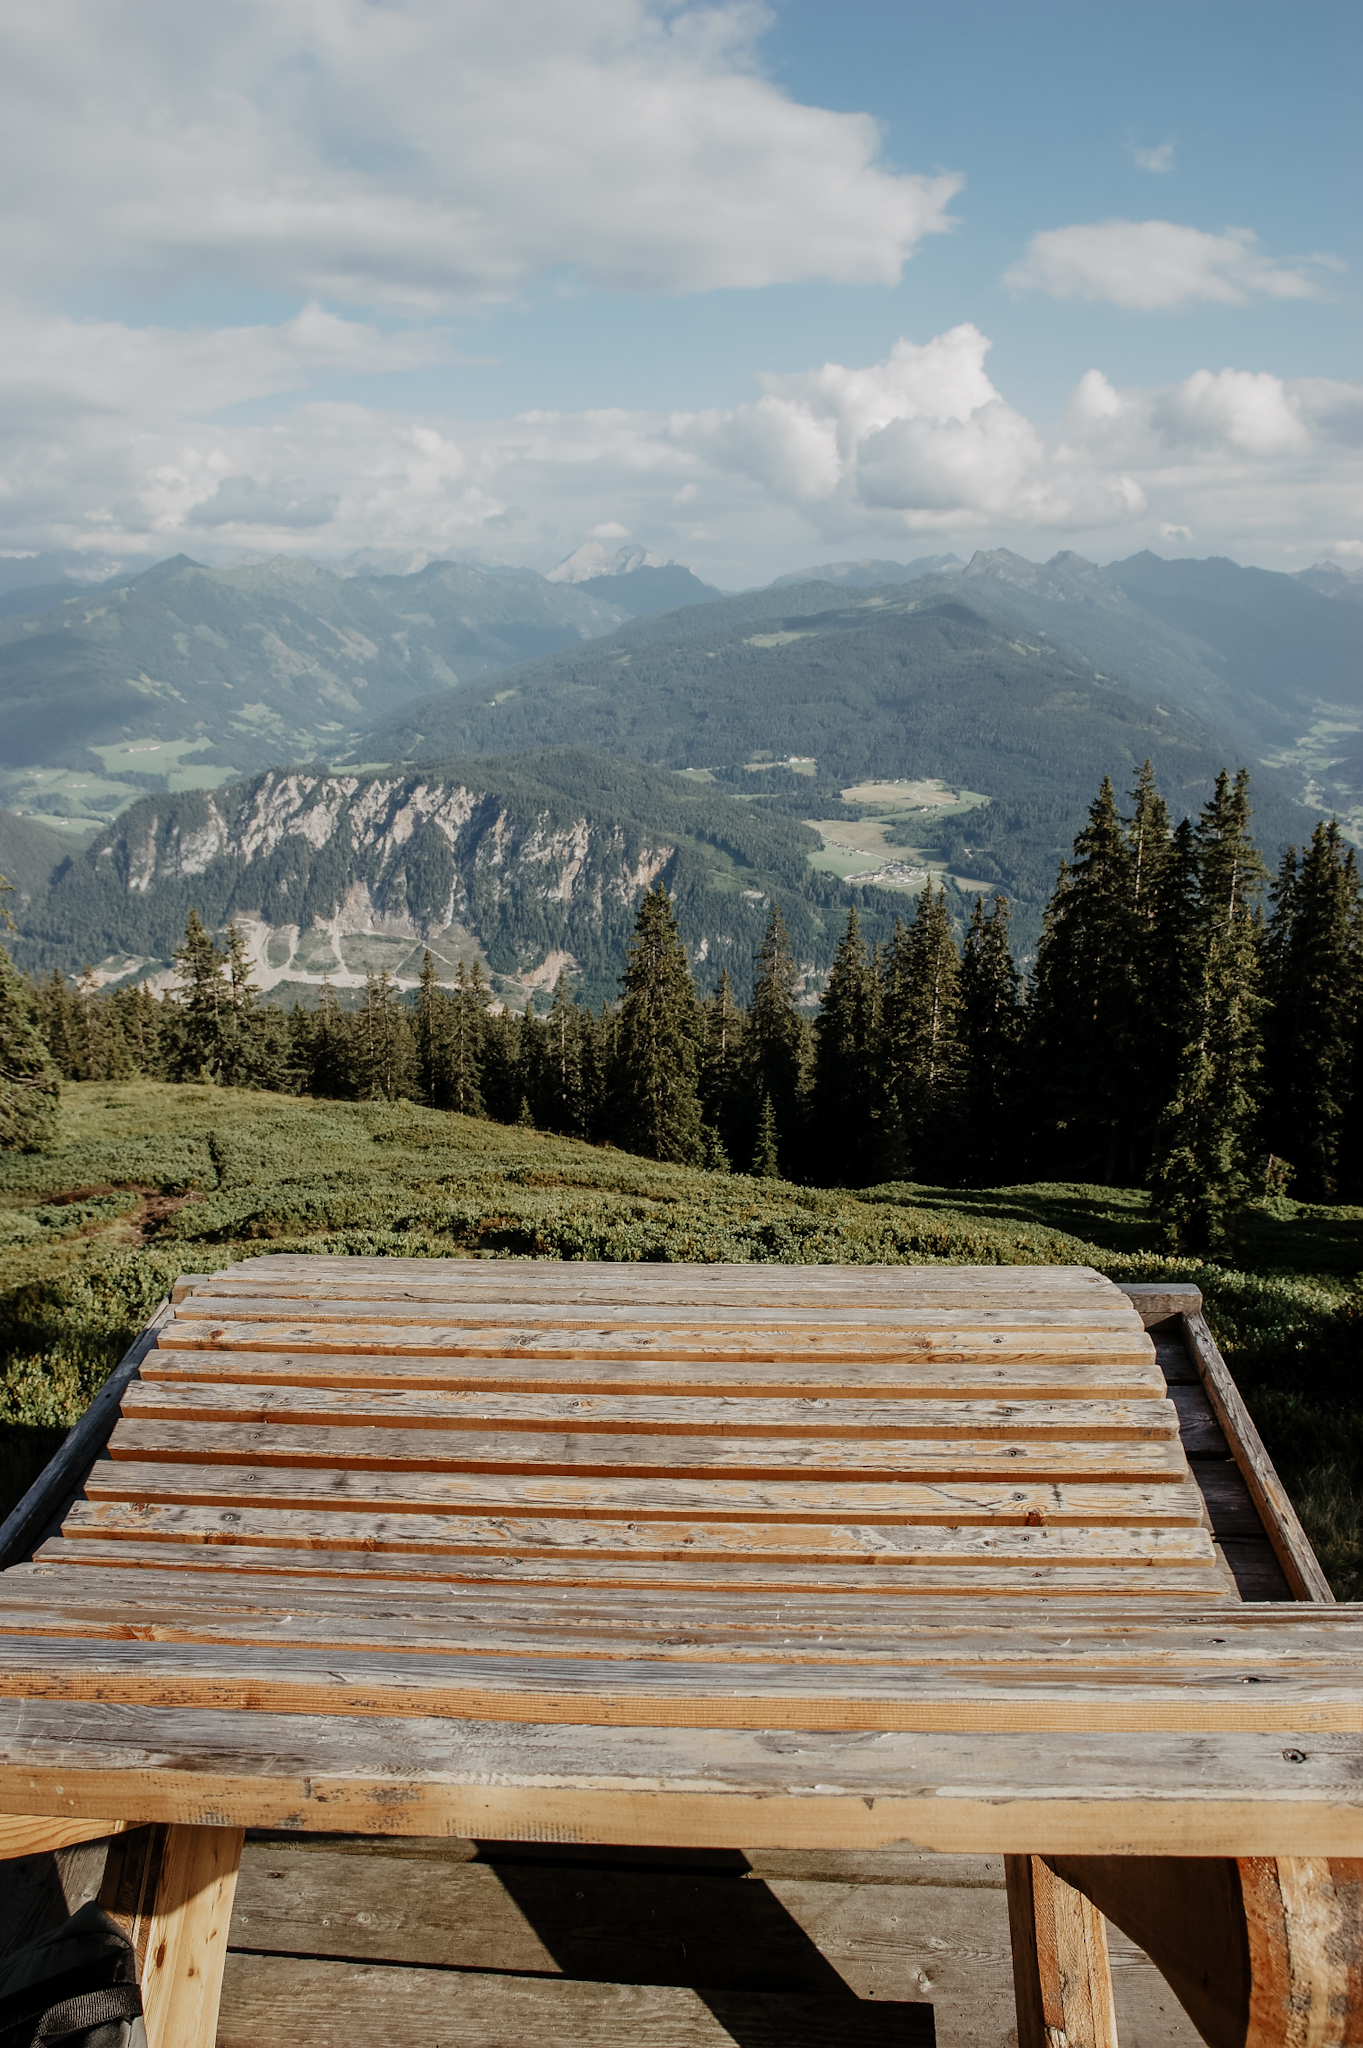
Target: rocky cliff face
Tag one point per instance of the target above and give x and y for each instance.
(342, 874)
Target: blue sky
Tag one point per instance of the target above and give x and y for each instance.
(328, 275)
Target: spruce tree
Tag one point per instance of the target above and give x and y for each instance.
(1202, 1170)
(1085, 1002)
(323, 1047)
(57, 1016)
(466, 1039)
(766, 1158)
(921, 1053)
(776, 1045)
(30, 1085)
(723, 1085)
(655, 1099)
(380, 1038)
(846, 1094)
(202, 1003)
(1312, 975)
(431, 1032)
(990, 1036)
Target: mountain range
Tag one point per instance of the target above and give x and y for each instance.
(927, 715)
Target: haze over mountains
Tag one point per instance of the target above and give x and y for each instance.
(969, 708)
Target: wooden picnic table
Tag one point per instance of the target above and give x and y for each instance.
(753, 1556)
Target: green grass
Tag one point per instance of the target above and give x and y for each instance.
(147, 1181)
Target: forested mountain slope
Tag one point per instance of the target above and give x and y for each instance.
(892, 685)
(529, 864)
(185, 669)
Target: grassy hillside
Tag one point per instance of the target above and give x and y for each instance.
(148, 1181)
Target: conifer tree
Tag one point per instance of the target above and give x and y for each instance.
(202, 1002)
(501, 1081)
(766, 1159)
(465, 1040)
(1202, 1170)
(1085, 1003)
(776, 1043)
(921, 1053)
(1313, 963)
(323, 1047)
(990, 1037)
(847, 1094)
(431, 1033)
(380, 1040)
(655, 1098)
(56, 1014)
(30, 1086)
(723, 1086)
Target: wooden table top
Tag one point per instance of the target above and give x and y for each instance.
(657, 1553)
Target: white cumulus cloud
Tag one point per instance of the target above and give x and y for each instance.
(104, 443)
(413, 152)
(1159, 159)
(1152, 266)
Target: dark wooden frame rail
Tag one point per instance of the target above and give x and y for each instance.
(1138, 1740)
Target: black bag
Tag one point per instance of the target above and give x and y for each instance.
(76, 1986)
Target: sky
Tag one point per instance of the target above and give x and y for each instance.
(754, 286)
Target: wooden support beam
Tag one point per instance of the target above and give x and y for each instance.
(1263, 1952)
(1062, 1981)
(172, 1889)
(23, 1834)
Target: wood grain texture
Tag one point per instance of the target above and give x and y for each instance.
(641, 1414)
(172, 1890)
(1171, 1504)
(638, 1457)
(1043, 1378)
(291, 2002)
(962, 1794)
(1299, 1562)
(32, 1835)
(1061, 1975)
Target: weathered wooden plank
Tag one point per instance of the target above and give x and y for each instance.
(290, 2002)
(876, 1324)
(811, 1350)
(1061, 1976)
(1042, 1378)
(1164, 1505)
(643, 1275)
(237, 1674)
(969, 1543)
(1180, 1582)
(1020, 1631)
(172, 1887)
(631, 1414)
(258, 1612)
(666, 1456)
(1157, 1794)
(30, 1835)
(1279, 1517)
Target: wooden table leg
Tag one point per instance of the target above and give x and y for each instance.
(172, 1888)
(1266, 1952)
(1062, 1980)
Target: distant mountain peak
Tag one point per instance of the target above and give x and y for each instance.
(594, 558)
(1332, 579)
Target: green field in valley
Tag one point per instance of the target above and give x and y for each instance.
(146, 1181)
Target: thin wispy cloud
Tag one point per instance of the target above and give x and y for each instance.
(1155, 266)
(1160, 158)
